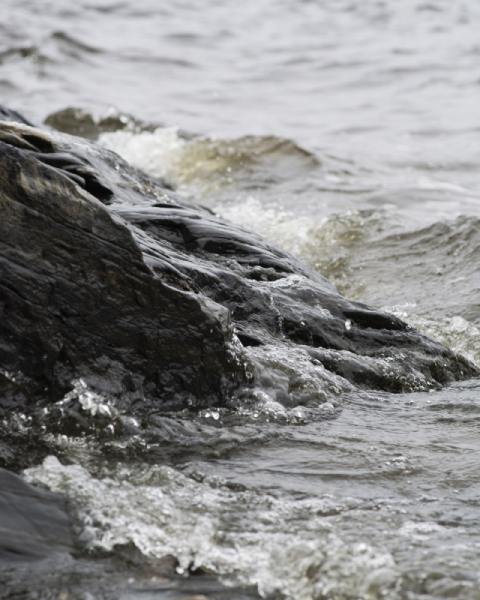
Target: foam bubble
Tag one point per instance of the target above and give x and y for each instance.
(283, 546)
(279, 226)
(159, 153)
(460, 335)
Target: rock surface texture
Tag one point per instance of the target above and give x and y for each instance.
(80, 299)
(112, 286)
(34, 524)
(120, 301)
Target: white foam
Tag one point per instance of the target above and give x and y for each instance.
(457, 333)
(203, 165)
(281, 227)
(159, 152)
(421, 530)
(194, 167)
(284, 546)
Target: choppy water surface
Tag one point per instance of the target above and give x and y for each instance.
(348, 134)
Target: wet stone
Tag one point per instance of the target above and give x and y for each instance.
(155, 304)
(121, 302)
(34, 524)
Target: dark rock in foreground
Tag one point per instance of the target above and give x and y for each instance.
(79, 299)
(119, 299)
(107, 277)
(34, 524)
(38, 558)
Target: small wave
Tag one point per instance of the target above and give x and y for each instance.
(455, 332)
(220, 172)
(158, 60)
(73, 44)
(433, 270)
(111, 8)
(77, 121)
(23, 51)
(162, 511)
(30, 52)
(201, 166)
(48, 51)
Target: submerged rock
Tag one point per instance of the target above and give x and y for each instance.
(109, 279)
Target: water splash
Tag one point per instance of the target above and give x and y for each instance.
(248, 535)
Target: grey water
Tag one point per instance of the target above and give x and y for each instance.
(348, 133)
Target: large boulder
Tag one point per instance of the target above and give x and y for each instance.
(80, 300)
(111, 280)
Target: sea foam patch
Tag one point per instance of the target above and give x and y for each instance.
(201, 166)
(457, 333)
(281, 545)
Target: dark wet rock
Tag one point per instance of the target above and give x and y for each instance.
(120, 300)
(109, 577)
(108, 278)
(79, 300)
(7, 114)
(34, 524)
(77, 121)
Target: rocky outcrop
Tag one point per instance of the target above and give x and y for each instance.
(119, 299)
(107, 277)
(78, 298)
